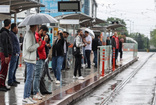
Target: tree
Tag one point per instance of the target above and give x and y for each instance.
(143, 42)
(153, 38)
(122, 30)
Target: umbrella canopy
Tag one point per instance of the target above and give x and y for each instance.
(37, 19)
(90, 31)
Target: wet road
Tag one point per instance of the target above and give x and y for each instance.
(138, 91)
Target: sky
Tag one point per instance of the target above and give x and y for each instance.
(140, 15)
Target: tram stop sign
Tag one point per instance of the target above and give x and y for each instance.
(69, 6)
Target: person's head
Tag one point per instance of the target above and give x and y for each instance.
(33, 28)
(122, 40)
(65, 34)
(7, 23)
(86, 33)
(108, 37)
(14, 28)
(21, 35)
(115, 34)
(97, 36)
(43, 30)
(80, 32)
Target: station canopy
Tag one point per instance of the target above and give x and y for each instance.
(20, 5)
(85, 20)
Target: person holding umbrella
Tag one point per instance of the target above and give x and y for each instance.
(29, 54)
(30, 48)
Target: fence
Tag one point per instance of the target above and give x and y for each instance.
(106, 57)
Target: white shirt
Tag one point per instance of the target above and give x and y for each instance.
(88, 46)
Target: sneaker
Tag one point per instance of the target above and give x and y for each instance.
(32, 100)
(74, 77)
(27, 101)
(37, 97)
(81, 78)
(41, 95)
(57, 82)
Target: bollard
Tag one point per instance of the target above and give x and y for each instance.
(103, 63)
(113, 59)
(20, 65)
(98, 61)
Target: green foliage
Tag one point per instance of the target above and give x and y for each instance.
(153, 38)
(143, 42)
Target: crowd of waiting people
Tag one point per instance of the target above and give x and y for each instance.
(36, 49)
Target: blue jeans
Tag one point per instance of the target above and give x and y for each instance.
(95, 58)
(57, 66)
(37, 76)
(29, 79)
(12, 69)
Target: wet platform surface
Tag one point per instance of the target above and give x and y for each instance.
(139, 91)
(68, 86)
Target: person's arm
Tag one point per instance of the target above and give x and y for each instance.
(29, 45)
(5, 43)
(43, 43)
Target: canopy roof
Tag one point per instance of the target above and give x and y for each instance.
(85, 20)
(113, 26)
(20, 5)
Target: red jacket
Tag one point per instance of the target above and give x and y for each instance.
(41, 50)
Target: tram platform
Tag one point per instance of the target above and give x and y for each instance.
(69, 91)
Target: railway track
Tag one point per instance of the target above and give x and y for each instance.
(116, 90)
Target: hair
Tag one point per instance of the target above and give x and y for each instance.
(79, 30)
(20, 33)
(44, 28)
(66, 32)
(7, 22)
(86, 32)
(31, 26)
(13, 25)
(96, 36)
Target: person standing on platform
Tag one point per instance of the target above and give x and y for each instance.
(5, 53)
(15, 56)
(108, 40)
(30, 55)
(120, 48)
(66, 44)
(95, 43)
(57, 57)
(21, 38)
(115, 44)
(78, 44)
(41, 56)
(88, 48)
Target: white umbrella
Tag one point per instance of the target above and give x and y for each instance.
(37, 19)
(90, 31)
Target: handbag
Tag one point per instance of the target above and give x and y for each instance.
(76, 50)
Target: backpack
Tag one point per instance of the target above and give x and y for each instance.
(76, 50)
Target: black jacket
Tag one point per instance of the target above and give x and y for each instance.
(5, 42)
(58, 47)
(95, 43)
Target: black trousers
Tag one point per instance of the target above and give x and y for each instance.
(87, 52)
(121, 53)
(77, 65)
